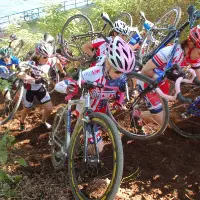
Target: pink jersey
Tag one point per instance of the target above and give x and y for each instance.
(99, 97)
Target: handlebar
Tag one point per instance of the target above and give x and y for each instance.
(178, 95)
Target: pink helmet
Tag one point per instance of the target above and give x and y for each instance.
(194, 36)
(120, 55)
(44, 49)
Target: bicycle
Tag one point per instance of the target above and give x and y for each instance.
(156, 32)
(10, 96)
(78, 30)
(126, 121)
(12, 89)
(125, 17)
(85, 162)
(16, 44)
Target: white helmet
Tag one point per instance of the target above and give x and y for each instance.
(44, 49)
(121, 27)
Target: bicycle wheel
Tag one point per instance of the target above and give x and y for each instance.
(183, 119)
(77, 31)
(145, 125)
(125, 17)
(155, 37)
(53, 79)
(57, 140)
(91, 179)
(10, 101)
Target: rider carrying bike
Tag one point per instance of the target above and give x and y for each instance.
(120, 59)
(43, 62)
(96, 49)
(188, 52)
(8, 64)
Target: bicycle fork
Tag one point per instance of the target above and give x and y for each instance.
(90, 131)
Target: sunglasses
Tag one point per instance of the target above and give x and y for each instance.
(6, 57)
(117, 72)
(44, 57)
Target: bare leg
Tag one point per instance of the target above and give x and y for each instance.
(24, 113)
(48, 108)
(152, 118)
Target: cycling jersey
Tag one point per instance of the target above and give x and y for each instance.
(195, 64)
(160, 60)
(13, 61)
(100, 45)
(38, 72)
(163, 56)
(99, 97)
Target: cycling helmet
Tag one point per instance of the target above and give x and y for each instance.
(120, 55)
(13, 37)
(5, 52)
(121, 27)
(194, 35)
(44, 49)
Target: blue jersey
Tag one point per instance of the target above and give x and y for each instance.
(14, 61)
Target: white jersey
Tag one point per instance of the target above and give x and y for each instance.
(163, 56)
(39, 71)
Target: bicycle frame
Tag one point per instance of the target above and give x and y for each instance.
(83, 118)
(169, 65)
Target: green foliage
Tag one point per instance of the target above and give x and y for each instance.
(8, 182)
(5, 143)
(4, 85)
(54, 19)
(25, 32)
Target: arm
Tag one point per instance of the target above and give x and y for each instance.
(88, 49)
(59, 66)
(148, 69)
(23, 76)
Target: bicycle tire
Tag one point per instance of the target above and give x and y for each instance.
(183, 125)
(119, 120)
(58, 130)
(74, 52)
(147, 45)
(125, 17)
(19, 92)
(115, 180)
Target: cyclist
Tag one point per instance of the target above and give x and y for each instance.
(120, 59)
(188, 52)
(60, 60)
(8, 63)
(97, 48)
(7, 59)
(43, 52)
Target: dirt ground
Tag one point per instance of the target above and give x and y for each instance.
(166, 168)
